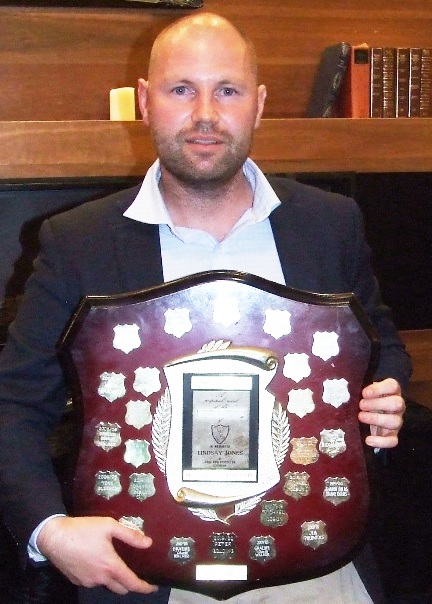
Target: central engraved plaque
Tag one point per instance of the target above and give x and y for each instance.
(220, 415)
(220, 427)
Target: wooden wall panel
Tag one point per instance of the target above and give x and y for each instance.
(59, 63)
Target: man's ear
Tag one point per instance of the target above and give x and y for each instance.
(142, 99)
(262, 94)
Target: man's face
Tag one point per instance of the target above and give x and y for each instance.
(202, 105)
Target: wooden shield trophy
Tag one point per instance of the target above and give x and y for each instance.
(219, 415)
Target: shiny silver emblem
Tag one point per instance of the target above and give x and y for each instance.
(273, 513)
(222, 546)
(147, 380)
(301, 402)
(296, 366)
(141, 486)
(332, 442)
(297, 485)
(314, 533)
(335, 392)
(325, 344)
(277, 323)
(132, 522)
(137, 452)
(336, 490)
(177, 322)
(262, 549)
(112, 386)
(304, 450)
(226, 311)
(126, 338)
(138, 414)
(182, 549)
(107, 436)
(107, 484)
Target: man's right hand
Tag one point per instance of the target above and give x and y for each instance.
(82, 549)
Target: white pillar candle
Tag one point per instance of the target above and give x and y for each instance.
(122, 104)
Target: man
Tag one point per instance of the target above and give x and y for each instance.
(202, 206)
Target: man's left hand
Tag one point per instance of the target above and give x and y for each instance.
(382, 407)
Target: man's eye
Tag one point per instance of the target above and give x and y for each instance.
(180, 90)
(228, 91)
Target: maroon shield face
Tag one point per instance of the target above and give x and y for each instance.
(220, 416)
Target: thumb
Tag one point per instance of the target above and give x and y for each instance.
(131, 536)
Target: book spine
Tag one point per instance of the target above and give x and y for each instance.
(376, 82)
(337, 80)
(328, 80)
(414, 87)
(389, 88)
(402, 81)
(426, 83)
(354, 99)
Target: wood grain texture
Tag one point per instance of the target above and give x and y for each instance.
(59, 63)
(71, 149)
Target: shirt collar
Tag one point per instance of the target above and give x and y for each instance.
(149, 206)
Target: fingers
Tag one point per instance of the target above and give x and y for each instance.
(382, 408)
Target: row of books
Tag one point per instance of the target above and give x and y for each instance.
(363, 81)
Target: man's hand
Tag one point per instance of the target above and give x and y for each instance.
(82, 549)
(382, 407)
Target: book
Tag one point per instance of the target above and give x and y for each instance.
(354, 98)
(328, 79)
(402, 72)
(376, 82)
(389, 83)
(414, 85)
(426, 83)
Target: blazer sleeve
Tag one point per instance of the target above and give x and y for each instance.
(33, 395)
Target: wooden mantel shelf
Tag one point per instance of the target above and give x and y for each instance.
(74, 149)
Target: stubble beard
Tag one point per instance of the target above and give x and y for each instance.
(189, 171)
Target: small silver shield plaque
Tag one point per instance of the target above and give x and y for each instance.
(262, 549)
(336, 490)
(314, 533)
(273, 513)
(137, 452)
(107, 436)
(182, 549)
(141, 486)
(107, 484)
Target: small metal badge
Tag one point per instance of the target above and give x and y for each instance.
(273, 513)
(126, 338)
(222, 546)
(147, 380)
(314, 533)
(137, 452)
(132, 522)
(336, 490)
(301, 402)
(182, 549)
(138, 414)
(304, 450)
(297, 485)
(335, 392)
(226, 311)
(277, 323)
(332, 442)
(296, 366)
(112, 386)
(141, 486)
(325, 344)
(107, 484)
(107, 436)
(262, 549)
(177, 322)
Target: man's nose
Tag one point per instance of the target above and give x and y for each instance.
(205, 109)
